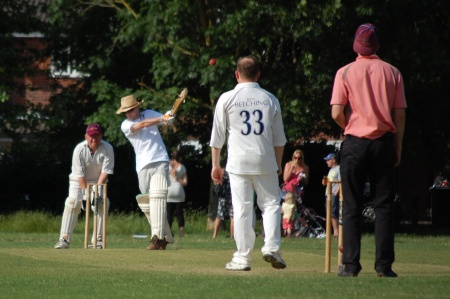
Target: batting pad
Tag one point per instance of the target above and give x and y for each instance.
(72, 209)
(144, 205)
(168, 232)
(158, 198)
(100, 219)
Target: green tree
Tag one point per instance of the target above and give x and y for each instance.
(154, 48)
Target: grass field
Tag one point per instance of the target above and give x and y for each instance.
(193, 267)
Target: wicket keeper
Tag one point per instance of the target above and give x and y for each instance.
(92, 162)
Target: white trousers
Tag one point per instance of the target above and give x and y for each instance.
(146, 173)
(155, 211)
(72, 209)
(268, 200)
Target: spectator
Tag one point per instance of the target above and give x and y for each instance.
(295, 175)
(333, 176)
(288, 212)
(225, 205)
(176, 195)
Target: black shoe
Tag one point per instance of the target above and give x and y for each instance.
(387, 273)
(347, 273)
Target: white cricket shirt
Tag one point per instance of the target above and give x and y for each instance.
(90, 166)
(250, 117)
(147, 142)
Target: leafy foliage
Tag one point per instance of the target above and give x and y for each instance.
(154, 48)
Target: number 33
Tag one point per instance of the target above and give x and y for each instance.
(259, 126)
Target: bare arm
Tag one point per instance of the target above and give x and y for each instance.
(288, 168)
(82, 183)
(147, 123)
(101, 180)
(183, 180)
(279, 156)
(337, 113)
(399, 122)
(216, 172)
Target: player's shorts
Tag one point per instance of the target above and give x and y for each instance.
(224, 209)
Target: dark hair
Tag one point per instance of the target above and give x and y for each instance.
(248, 66)
(176, 156)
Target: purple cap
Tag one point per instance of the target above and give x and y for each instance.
(366, 40)
(94, 129)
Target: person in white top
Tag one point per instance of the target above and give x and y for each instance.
(249, 117)
(334, 175)
(152, 166)
(176, 195)
(92, 162)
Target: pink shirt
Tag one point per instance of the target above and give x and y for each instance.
(371, 89)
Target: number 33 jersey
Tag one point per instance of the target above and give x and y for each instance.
(250, 117)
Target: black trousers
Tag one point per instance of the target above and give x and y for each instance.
(175, 208)
(363, 159)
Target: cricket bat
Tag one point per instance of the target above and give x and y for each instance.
(181, 98)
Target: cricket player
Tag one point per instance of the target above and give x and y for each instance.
(250, 118)
(92, 162)
(152, 166)
(368, 102)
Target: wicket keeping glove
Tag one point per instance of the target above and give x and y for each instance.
(97, 201)
(83, 202)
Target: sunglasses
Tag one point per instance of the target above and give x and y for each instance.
(129, 110)
(296, 158)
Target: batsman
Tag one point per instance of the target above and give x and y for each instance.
(92, 162)
(152, 165)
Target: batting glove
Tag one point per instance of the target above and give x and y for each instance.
(167, 118)
(170, 120)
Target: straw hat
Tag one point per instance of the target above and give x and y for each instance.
(127, 103)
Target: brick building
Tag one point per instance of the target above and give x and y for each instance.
(42, 75)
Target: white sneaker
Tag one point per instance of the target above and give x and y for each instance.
(275, 259)
(99, 244)
(62, 244)
(321, 236)
(237, 267)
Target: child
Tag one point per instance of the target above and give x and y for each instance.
(225, 206)
(288, 209)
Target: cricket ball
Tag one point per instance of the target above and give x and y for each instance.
(212, 61)
(341, 249)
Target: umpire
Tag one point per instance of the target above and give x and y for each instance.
(368, 102)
